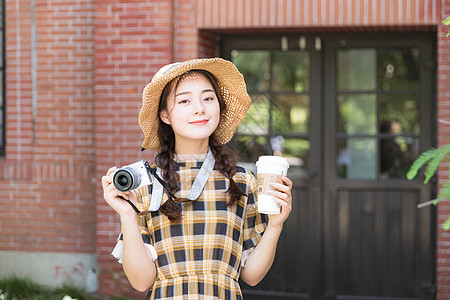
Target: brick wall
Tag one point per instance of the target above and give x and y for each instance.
(47, 176)
(443, 94)
(133, 40)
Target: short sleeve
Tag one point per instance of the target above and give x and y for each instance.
(254, 224)
(143, 200)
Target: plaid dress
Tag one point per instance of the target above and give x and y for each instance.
(200, 258)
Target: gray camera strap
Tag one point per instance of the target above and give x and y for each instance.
(196, 189)
(157, 193)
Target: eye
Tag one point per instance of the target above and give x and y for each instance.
(183, 101)
(209, 99)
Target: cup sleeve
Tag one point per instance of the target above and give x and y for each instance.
(254, 224)
(142, 204)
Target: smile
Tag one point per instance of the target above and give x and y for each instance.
(199, 122)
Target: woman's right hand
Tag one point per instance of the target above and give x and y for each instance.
(111, 195)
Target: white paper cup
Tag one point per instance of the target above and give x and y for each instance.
(269, 169)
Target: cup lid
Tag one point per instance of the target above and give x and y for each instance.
(271, 159)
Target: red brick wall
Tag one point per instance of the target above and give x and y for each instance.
(443, 94)
(47, 176)
(133, 40)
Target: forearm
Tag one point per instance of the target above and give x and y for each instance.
(261, 258)
(137, 262)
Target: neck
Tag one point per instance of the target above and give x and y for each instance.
(192, 148)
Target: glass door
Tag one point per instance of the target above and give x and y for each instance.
(350, 112)
(379, 101)
(284, 119)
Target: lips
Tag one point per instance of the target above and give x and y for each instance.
(199, 122)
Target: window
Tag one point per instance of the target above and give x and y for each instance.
(277, 122)
(377, 99)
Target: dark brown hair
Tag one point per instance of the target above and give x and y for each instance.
(223, 155)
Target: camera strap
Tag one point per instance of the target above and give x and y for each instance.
(196, 189)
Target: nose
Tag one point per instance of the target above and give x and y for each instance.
(199, 108)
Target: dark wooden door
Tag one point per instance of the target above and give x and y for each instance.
(324, 102)
(379, 95)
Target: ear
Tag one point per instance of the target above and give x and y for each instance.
(164, 115)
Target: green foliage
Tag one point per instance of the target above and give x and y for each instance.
(433, 158)
(447, 22)
(18, 288)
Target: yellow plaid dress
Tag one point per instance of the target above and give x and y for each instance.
(200, 258)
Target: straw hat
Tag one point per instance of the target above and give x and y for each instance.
(232, 87)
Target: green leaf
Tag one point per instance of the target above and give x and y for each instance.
(420, 161)
(446, 224)
(446, 21)
(433, 165)
(444, 192)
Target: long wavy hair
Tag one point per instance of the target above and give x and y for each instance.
(224, 156)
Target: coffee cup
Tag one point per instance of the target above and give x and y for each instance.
(269, 169)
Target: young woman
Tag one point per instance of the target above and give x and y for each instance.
(207, 231)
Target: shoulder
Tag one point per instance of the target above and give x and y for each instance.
(244, 178)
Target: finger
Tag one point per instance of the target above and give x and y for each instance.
(110, 170)
(279, 186)
(280, 195)
(106, 181)
(287, 181)
(281, 202)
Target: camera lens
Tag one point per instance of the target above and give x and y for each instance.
(122, 180)
(126, 179)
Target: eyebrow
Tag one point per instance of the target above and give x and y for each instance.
(189, 92)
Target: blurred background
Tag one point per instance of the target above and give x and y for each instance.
(349, 91)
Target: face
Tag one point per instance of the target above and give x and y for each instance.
(193, 110)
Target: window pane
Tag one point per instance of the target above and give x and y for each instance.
(290, 114)
(356, 69)
(398, 69)
(357, 113)
(254, 65)
(297, 153)
(356, 158)
(399, 113)
(256, 121)
(290, 71)
(249, 148)
(397, 155)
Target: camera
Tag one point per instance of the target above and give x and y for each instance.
(132, 177)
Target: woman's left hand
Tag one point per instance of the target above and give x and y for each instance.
(282, 194)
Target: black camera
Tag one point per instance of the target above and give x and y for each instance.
(132, 177)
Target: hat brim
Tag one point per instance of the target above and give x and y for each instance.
(232, 87)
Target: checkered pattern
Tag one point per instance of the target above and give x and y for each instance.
(200, 258)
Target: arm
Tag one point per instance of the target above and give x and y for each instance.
(261, 258)
(137, 263)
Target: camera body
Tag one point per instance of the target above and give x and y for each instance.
(132, 177)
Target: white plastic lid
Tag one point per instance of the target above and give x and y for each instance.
(270, 159)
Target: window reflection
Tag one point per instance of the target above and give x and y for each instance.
(256, 121)
(255, 66)
(290, 114)
(290, 71)
(277, 122)
(397, 152)
(357, 113)
(402, 108)
(356, 69)
(398, 69)
(356, 158)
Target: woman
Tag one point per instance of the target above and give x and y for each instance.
(207, 232)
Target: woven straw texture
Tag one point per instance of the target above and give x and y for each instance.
(232, 86)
